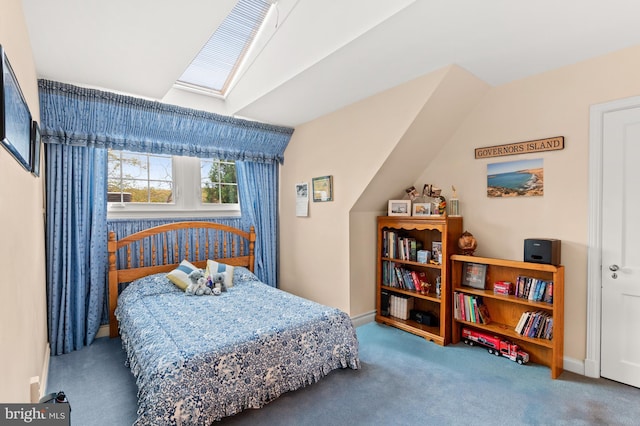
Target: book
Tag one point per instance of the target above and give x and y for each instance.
(548, 294)
(484, 314)
(518, 327)
(436, 252)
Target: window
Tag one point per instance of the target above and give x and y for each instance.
(221, 58)
(153, 184)
(218, 182)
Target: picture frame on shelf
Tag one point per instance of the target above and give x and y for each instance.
(15, 117)
(399, 208)
(421, 209)
(322, 188)
(474, 275)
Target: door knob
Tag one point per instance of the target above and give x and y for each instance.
(613, 268)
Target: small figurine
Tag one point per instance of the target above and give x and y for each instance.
(442, 205)
(467, 243)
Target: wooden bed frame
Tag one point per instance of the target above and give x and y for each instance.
(193, 241)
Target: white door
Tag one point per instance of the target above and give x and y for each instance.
(620, 340)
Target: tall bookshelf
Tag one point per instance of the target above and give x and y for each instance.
(424, 231)
(506, 310)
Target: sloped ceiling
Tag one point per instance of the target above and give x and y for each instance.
(319, 56)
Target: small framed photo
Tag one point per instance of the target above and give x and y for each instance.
(399, 208)
(421, 209)
(322, 188)
(474, 275)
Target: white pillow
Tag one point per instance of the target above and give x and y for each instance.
(180, 275)
(214, 267)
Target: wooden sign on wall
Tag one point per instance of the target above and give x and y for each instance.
(549, 144)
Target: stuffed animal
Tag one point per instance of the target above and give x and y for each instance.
(216, 282)
(198, 286)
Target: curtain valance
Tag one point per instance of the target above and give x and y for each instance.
(73, 115)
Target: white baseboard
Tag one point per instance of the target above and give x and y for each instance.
(44, 376)
(363, 319)
(573, 365)
(103, 331)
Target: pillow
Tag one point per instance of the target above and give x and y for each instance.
(215, 267)
(180, 275)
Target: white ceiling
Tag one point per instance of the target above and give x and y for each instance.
(320, 55)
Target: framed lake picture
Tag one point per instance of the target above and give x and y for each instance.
(522, 178)
(15, 118)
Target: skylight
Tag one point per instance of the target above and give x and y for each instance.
(215, 66)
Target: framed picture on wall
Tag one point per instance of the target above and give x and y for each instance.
(15, 118)
(322, 188)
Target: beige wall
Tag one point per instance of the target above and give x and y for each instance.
(329, 256)
(22, 288)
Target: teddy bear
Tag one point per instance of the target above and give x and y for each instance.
(216, 283)
(198, 286)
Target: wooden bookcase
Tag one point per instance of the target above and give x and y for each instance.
(425, 231)
(505, 310)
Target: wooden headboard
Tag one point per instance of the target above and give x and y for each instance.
(162, 248)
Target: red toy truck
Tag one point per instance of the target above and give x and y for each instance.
(495, 345)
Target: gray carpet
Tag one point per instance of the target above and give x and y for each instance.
(404, 380)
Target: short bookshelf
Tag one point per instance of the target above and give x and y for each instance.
(507, 310)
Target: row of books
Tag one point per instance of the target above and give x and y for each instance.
(535, 324)
(394, 275)
(470, 308)
(534, 289)
(396, 246)
(400, 306)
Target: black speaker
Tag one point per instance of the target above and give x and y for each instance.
(384, 303)
(542, 250)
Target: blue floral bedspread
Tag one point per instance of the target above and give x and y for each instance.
(197, 359)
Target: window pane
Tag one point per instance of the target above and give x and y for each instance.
(160, 192)
(134, 191)
(229, 194)
(210, 193)
(113, 167)
(134, 166)
(227, 173)
(159, 168)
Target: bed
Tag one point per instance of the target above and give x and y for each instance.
(197, 359)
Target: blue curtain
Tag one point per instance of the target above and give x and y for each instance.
(258, 192)
(76, 244)
(124, 227)
(77, 125)
(88, 117)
